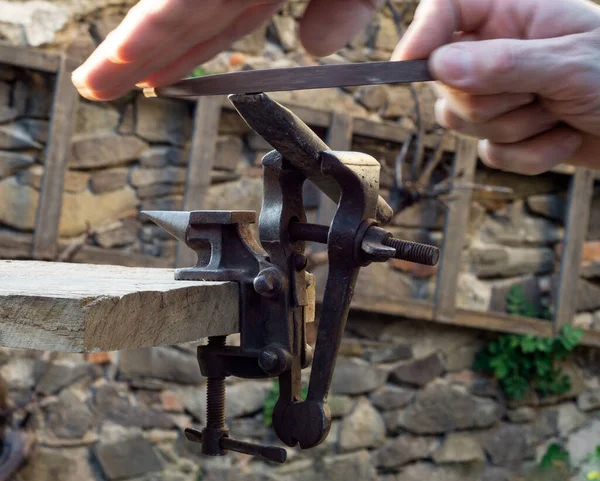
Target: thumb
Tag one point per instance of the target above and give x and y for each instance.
(489, 67)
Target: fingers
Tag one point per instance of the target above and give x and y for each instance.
(328, 25)
(197, 55)
(480, 108)
(152, 35)
(514, 126)
(534, 155)
(507, 65)
(436, 22)
(150, 23)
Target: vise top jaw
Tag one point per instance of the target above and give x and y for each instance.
(298, 144)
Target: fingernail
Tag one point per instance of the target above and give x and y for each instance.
(483, 153)
(452, 63)
(77, 77)
(439, 110)
(87, 93)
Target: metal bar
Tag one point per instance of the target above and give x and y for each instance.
(297, 78)
(455, 227)
(309, 232)
(202, 157)
(339, 137)
(45, 239)
(576, 225)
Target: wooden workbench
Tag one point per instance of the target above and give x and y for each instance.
(88, 308)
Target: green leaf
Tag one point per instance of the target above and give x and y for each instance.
(529, 344)
(554, 454)
(500, 367)
(545, 344)
(199, 72)
(269, 405)
(523, 362)
(543, 367)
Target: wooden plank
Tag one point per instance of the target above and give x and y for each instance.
(86, 308)
(29, 58)
(55, 163)
(487, 321)
(576, 226)
(339, 137)
(455, 227)
(202, 156)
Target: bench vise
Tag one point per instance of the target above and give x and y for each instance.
(276, 292)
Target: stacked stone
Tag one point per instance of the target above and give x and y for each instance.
(25, 103)
(405, 403)
(519, 241)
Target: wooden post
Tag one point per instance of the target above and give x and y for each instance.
(339, 137)
(45, 239)
(202, 157)
(576, 226)
(29, 58)
(455, 227)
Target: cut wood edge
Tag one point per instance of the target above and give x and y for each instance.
(66, 307)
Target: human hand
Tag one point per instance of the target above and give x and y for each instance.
(522, 75)
(162, 41)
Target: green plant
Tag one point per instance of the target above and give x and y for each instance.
(199, 72)
(272, 400)
(522, 362)
(555, 458)
(518, 304)
(556, 465)
(594, 458)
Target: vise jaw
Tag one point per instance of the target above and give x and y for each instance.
(277, 294)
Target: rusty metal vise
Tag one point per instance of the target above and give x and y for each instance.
(276, 293)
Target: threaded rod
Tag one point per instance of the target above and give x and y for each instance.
(215, 392)
(414, 251)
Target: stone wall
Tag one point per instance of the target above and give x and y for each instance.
(406, 407)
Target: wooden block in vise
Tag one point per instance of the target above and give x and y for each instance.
(311, 297)
(89, 308)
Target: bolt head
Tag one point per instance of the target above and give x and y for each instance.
(268, 361)
(269, 282)
(300, 262)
